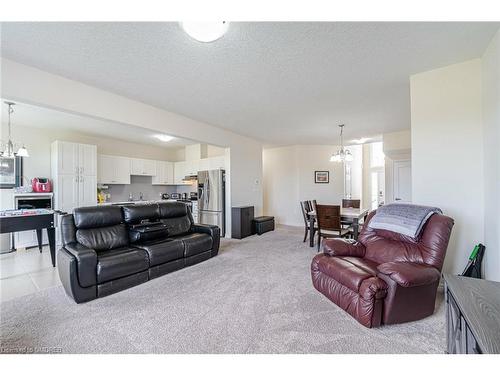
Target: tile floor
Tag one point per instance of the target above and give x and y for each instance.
(26, 271)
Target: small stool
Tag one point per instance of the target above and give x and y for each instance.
(263, 224)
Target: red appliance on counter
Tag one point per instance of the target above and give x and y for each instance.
(41, 185)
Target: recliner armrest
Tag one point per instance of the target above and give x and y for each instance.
(87, 263)
(342, 247)
(409, 274)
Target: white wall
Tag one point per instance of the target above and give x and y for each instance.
(289, 179)
(491, 130)
(447, 152)
(33, 86)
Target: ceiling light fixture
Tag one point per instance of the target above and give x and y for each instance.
(163, 137)
(8, 152)
(205, 32)
(343, 154)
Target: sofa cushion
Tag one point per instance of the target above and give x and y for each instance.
(177, 225)
(176, 216)
(363, 263)
(162, 251)
(196, 243)
(121, 262)
(104, 238)
(344, 272)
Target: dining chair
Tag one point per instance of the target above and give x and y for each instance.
(306, 207)
(329, 226)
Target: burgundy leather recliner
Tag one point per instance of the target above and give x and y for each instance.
(384, 277)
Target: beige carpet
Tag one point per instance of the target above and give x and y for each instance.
(256, 296)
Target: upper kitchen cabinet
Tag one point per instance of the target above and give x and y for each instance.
(164, 173)
(143, 167)
(192, 167)
(179, 172)
(113, 170)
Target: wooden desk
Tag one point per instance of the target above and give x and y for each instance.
(12, 221)
(351, 214)
(472, 315)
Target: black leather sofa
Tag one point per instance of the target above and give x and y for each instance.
(101, 255)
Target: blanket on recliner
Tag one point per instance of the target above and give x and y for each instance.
(403, 218)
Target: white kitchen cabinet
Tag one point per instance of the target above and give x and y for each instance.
(66, 192)
(87, 160)
(192, 167)
(143, 167)
(113, 170)
(179, 172)
(66, 161)
(164, 173)
(74, 174)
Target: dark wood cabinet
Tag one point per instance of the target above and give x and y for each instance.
(241, 225)
(472, 315)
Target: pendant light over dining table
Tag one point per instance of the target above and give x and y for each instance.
(342, 154)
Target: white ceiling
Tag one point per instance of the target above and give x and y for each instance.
(283, 83)
(33, 116)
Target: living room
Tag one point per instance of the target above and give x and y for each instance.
(357, 167)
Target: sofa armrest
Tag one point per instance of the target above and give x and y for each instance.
(87, 263)
(409, 274)
(213, 231)
(342, 247)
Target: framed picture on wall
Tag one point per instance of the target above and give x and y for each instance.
(321, 177)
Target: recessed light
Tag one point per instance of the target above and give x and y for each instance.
(360, 141)
(205, 31)
(163, 137)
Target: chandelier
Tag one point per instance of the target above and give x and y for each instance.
(7, 151)
(343, 154)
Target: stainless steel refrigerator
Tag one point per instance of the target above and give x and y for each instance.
(212, 198)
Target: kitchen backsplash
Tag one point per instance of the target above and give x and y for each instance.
(138, 184)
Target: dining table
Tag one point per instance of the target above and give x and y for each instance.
(353, 215)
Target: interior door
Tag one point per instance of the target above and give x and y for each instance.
(402, 180)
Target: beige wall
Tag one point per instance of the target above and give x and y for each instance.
(491, 130)
(289, 179)
(447, 152)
